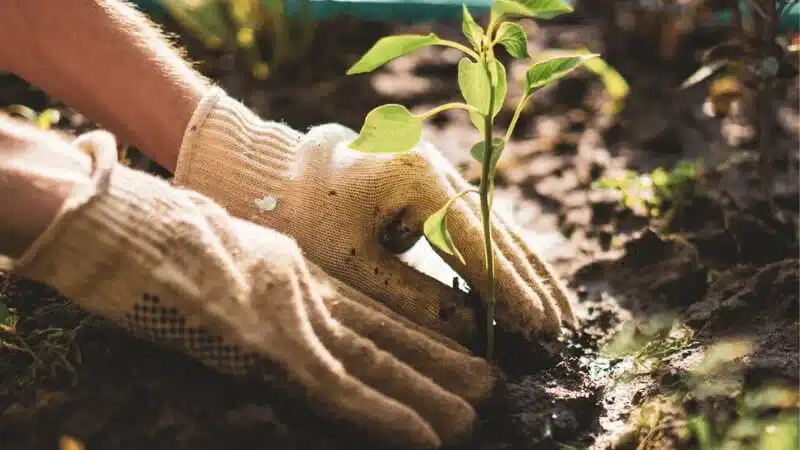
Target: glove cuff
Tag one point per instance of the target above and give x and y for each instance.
(228, 151)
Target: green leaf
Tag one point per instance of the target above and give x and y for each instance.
(475, 85)
(702, 431)
(500, 88)
(543, 9)
(435, 228)
(783, 433)
(7, 318)
(545, 72)
(389, 48)
(659, 177)
(477, 152)
(513, 37)
(473, 81)
(471, 29)
(388, 129)
(48, 118)
(613, 81)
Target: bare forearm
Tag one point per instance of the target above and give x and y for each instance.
(108, 61)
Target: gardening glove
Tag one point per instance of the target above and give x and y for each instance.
(173, 267)
(340, 204)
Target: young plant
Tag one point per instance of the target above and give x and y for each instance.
(482, 81)
(657, 194)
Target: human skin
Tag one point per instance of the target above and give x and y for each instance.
(112, 64)
(107, 60)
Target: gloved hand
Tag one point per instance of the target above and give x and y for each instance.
(175, 268)
(339, 203)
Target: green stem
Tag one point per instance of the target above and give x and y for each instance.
(493, 23)
(515, 118)
(485, 195)
(445, 107)
(461, 47)
(458, 196)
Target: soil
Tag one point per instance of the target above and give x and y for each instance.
(728, 268)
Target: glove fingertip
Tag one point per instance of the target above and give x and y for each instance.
(570, 319)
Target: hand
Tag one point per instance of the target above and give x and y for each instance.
(37, 171)
(176, 269)
(338, 204)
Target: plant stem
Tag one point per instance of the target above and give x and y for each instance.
(490, 29)
(461, 47)
(445, 107)
(485, 194)
(515, 118)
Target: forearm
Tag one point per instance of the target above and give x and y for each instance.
(108, 61)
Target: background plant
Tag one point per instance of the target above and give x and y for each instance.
(691, 411)
(748, 67)
(757, 48)
(483, 84)
(659, 194)
(242, 25)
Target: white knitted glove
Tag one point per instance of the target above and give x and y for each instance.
(176, 269)
(337, 203)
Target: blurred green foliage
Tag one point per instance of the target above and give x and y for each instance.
(44, 119)
(243, 26)
(708, 405)
(614, 83)
(8, 319)
(760, 418)
(644, 345)
(657, 194)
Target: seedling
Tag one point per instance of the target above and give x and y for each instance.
(483, 84)
(643, 346)
(658, 194)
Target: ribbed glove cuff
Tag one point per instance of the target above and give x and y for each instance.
(227, 150)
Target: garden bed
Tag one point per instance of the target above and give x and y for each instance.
(728, 270)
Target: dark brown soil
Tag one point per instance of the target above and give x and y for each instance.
(729, 270)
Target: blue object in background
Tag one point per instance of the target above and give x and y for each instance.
(412, 10)
(404, 10)
(789, 23)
